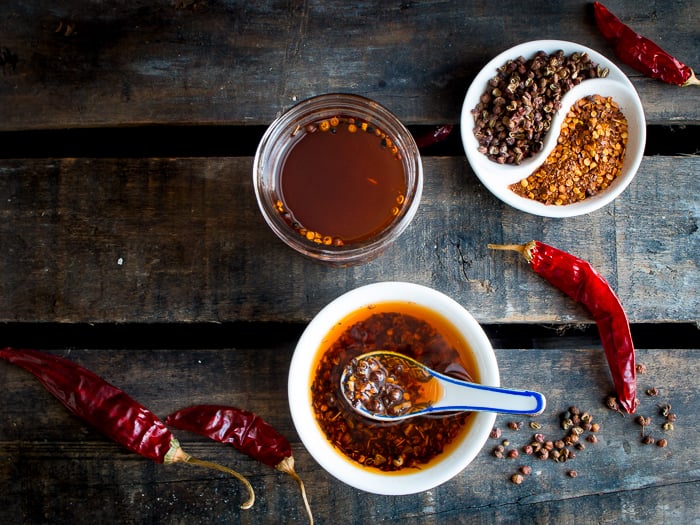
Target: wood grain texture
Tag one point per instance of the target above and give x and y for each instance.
(111, 63)
(55, 469)
(182, 240)
(115, 246)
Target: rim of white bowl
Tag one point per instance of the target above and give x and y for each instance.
(300, 377)
(616, 83)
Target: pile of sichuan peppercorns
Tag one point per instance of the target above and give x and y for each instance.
(664, 421)
(579, 430)
(515, 112)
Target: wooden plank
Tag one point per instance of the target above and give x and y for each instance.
(55, 469)
(160, 240)
(233, 62)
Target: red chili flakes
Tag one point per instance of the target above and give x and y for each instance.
(587, 158)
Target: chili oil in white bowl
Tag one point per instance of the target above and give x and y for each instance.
(322, 334)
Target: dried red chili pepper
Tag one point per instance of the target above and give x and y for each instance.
(438, 134)
(641, 53)
(110, 410)
(246, 431)
(580, 281)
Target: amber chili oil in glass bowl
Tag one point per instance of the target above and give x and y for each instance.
(338, 178)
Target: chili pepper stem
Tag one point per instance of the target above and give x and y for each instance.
(287, 466)
(180, 456)
(692, 80)
(522, 249)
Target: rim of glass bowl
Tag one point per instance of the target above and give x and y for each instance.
(278, 140)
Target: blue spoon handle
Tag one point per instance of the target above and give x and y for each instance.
(460, 395)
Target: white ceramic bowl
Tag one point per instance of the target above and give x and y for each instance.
(498, 177)
(301, 374)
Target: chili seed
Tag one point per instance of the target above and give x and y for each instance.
(517, 478)
(667, 426)
(535, 425)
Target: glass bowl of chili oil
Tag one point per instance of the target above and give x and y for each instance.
(338, 178)
(399, 458)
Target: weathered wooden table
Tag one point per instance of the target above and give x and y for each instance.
(130, 242)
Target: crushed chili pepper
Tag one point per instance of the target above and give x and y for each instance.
(588, 156)
(640, 52)
(407, 329)
(580, 281)
(246, 431)
(110, 410)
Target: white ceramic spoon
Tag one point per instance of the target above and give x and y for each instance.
(375, 385)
